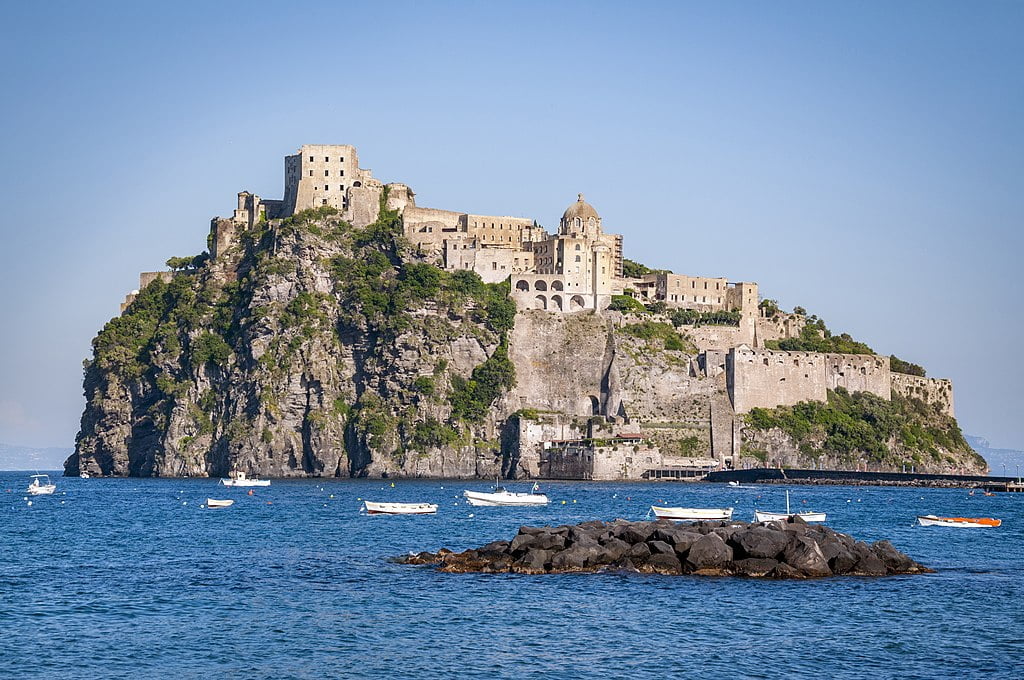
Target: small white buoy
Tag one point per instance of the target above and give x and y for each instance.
(471, 515)
(30, 502)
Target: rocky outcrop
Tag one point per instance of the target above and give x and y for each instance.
(791, 549)
(309, 347)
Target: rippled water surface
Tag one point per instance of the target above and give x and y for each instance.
(135, 578)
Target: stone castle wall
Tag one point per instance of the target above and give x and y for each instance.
(779, 327)
(767, 378)
(937, 391)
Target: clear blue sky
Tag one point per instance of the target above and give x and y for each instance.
(864, 160)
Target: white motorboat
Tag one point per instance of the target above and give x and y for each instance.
(737, 485)
(239, 479)
(962, 522)
(760, 516)
(503, 497)
(691, 514)
(374, 508)
(214, 503)
(41, 486)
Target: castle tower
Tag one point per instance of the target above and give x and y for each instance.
(580, 220)
(322, 174)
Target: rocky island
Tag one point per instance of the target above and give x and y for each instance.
(791, 549)
(346, 331)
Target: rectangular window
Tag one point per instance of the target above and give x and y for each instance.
(310, 159)
(310, 173)
(326, 159)
(341, 172)
(327, 173)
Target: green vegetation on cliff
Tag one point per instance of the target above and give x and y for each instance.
(815, 337)
(891, 432)
(661, 333)
(897, 365)
(309, 344)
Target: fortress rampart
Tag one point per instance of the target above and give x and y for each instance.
(935, 391)
(761, 378)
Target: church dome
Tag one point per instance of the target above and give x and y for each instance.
(580, 209)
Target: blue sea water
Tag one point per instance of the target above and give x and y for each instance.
(134, 578)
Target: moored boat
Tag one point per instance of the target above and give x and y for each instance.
(963, 522)
(215, 503)
(504, 498)
(40, 486)
(761, 516)
(375, 508)
(240, 479)
(691, 514)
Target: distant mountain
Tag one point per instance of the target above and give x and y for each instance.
(1002, 462)
(26, 458)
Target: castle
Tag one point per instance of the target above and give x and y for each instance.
(579, 269)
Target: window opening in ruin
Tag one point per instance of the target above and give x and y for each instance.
(310, 173)
(326, 159)
(310, 159)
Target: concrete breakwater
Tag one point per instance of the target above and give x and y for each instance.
(851, 478)
(790, 549)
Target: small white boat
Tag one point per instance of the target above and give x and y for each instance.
(503, 497)
(41, 486)
(239, 479)
(963, 522)
(760, 516)
(374, 508)
(737, 485)
(214, 503)
(691, 514)
(83, 475)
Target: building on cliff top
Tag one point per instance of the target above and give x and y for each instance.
(580, 268)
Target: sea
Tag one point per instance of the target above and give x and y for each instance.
(137, 578)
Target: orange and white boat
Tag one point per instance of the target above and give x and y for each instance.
(966, 522)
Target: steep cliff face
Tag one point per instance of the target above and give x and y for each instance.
(308, 348)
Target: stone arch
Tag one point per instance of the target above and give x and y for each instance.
(556, 302)
(557, 285)
(540, 302)
(540, 285)
(523, 285)
(576, 302)
(595, 406)
(357, 183)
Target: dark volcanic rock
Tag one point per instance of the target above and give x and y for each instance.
(767, 550)
(664, 563)
(710, 552)
(755, 566)
(803, 554)
(761, 542)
